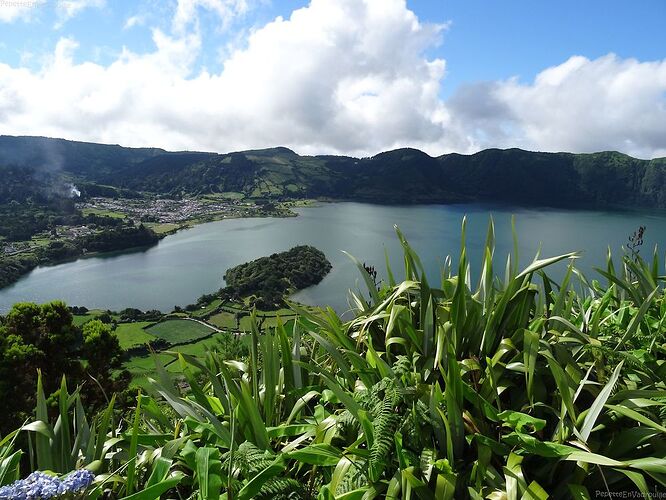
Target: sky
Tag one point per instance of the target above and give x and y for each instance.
(338, 76)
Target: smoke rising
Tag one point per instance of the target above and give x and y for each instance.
(73, 191)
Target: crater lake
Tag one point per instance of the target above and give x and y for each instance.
(185, 265)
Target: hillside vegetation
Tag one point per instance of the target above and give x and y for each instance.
(515, 387)
(607, 179)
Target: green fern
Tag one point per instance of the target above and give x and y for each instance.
(248, 461)
(355, 478)
(281, 489)
(386, 421)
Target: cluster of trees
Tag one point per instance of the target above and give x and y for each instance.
(120, 238)
(155, 345)
(269, 279)
(32, 201)
(43, 338)
(20, 221)
(12, 268)
(133, 314)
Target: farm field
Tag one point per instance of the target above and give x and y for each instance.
(143, 366)
(209, 308)
(224, 320)
(133, 334)
(176, 331)
(162, 228)
(103, 213)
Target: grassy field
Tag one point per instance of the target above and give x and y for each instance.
(82, 319)
(41, 241)
(143, 366)
(271, 321)
(133, 334)
(223, 320)
(226, 318)
(176, 331)
(104, 213)
(140, 367)
(229, 195)
(161, 228)
(199, 313)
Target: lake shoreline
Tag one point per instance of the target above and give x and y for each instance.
(133, 249)
(190, 263)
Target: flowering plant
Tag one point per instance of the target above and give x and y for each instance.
(42, 486)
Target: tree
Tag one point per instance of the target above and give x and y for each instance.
(44, 337)
(103, 355)
(101, 348)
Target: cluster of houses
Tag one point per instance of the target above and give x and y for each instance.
(162, 210)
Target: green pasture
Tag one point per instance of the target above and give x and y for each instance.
(103, 213)
(176, 331)
(133, 334)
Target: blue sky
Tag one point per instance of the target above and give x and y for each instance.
(486, 39)
(483, 59)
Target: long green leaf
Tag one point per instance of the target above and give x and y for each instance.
(598, 405)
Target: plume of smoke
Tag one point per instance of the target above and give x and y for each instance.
(73, 191)
(49, 161)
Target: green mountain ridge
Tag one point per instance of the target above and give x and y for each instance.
(597, 180)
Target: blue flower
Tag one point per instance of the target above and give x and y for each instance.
(78, 480)
(41, 486)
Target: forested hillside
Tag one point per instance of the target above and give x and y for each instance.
(607, 179)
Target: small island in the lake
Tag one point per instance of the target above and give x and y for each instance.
(269, 279)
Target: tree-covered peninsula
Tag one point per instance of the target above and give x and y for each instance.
(21, 257)
(269, 279)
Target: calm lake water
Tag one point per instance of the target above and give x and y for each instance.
(190, 263)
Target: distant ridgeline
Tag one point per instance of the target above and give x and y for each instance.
(270, 279)
(607, 179)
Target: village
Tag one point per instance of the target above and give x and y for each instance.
(164, 210)
(168, 213)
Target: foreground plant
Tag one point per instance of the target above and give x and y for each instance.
(514, 387)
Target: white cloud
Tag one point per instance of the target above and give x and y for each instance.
(581, 105)
(133, 21)
(67, 9)
(13, 10)
(339, 76)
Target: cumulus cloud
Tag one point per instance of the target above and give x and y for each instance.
(580, 105)
(338, 76)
